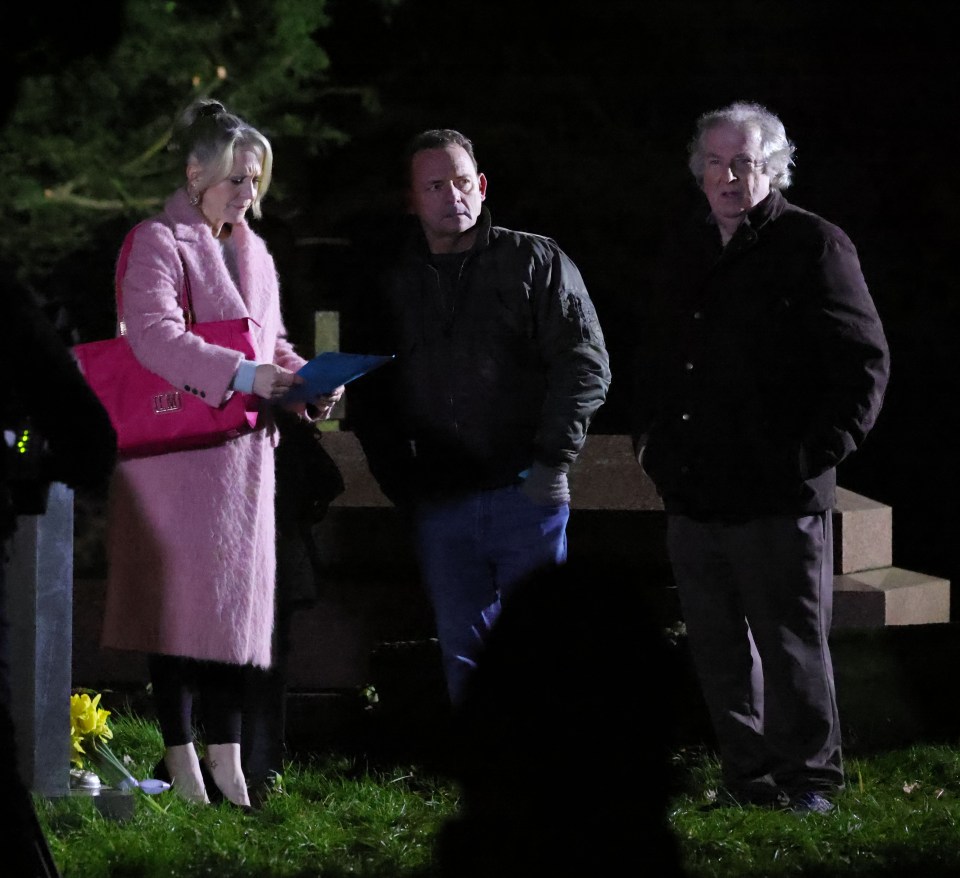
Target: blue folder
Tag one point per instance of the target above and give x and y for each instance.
(327, 371)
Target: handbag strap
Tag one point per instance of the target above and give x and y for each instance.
(188, 316)
(123, 258)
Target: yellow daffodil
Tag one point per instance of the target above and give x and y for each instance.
(89, 734)
(88, 722)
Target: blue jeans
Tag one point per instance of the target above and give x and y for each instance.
(473, 550)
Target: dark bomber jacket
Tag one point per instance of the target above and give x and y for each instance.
(762, 365)
(512, 370)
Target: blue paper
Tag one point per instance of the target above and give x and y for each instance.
(327, 371)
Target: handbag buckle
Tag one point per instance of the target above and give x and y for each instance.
(166, 402)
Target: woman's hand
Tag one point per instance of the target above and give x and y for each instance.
(272, 382)
(326, 402)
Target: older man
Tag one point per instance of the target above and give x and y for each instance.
(762, 366)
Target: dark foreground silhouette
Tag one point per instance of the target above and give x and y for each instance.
(562, 745)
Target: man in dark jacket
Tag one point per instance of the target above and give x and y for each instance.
(763, 365)
(501, 365)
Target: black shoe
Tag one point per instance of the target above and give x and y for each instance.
(214, 793)
(810, 802)
(762, 797)
(160, 772)
(261, 789)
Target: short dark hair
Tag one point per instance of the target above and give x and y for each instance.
(437, 138)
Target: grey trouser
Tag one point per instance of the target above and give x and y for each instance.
(757, 600)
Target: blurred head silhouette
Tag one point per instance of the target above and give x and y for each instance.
(547, 739)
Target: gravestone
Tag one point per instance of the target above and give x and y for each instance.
(40, 607)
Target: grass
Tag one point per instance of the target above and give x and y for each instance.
(897, 816)
(336, 816)
(331, 816)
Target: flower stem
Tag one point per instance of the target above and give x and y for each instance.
(113, 771)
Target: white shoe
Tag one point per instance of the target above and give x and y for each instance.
(223, 761)
(185, 777)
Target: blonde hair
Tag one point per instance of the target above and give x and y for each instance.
(208, 135)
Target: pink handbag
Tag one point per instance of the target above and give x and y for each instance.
(150, 415)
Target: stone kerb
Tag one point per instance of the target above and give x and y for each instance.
(608, 491)
(863, 533)
(869, 592)
(372, 594)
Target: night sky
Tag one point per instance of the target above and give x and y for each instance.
(581, 120)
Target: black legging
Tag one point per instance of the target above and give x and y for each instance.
(217, 685)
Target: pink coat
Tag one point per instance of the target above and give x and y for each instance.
(191, 537)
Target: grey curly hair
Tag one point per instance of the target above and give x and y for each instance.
(777, 150)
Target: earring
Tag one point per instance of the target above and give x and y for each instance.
(193, 194)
